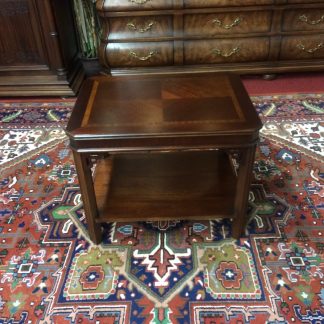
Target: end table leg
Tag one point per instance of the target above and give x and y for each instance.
(242, 190)
(88, 195)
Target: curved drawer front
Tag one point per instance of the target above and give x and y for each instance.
(304, 1)
(303, 19)
(223, 3)
(227, 50)
(140, 27)
(139, 54)
(302, 47)
(126, 5)
(227, 23)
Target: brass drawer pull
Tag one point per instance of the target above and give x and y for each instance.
(311, 50)
(218, 52)
(229, 26)
(143, 58)
(139, 1)
(132, 26)
(305, 19)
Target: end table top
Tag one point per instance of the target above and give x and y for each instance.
(166, 105)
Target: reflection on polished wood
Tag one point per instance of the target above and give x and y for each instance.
(162, 145)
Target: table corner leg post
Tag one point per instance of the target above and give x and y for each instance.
(88, 195)
(242, 191)
(96, 234)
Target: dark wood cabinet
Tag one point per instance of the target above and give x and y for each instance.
(243, 36)
(39, 52)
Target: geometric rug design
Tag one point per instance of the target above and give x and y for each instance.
(161, 272)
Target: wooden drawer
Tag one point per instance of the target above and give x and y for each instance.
(223, 3)
(131, 5)
(139, 54)
(140, 27)
(302, 47)
(305, 1)
(227, 23)
(226, 50)
(303, 19)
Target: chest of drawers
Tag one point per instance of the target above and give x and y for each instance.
(243, 36)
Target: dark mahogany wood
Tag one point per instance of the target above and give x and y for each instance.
(167, 138)
(161, 186)
(38, 49)
(241, 36)
(82, 163)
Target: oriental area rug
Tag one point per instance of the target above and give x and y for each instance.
(161, 272)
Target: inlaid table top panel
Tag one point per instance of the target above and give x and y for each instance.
(154, 106)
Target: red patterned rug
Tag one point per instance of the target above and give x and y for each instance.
(171, 272)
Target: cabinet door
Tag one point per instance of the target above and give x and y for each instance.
(38, 49)
(20, 41)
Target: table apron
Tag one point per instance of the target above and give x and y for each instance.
(165, 143)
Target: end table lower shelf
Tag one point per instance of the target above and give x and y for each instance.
(167, 139)
(169, 185)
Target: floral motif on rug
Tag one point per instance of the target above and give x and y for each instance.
(161, 272)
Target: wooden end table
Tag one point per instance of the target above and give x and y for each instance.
(163, 146)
